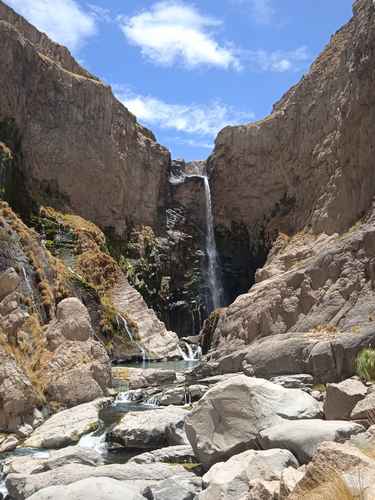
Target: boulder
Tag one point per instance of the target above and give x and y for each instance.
(74, 319)
(52, 460)
(66, 427)
(341, 398)
(22, 486)
(151, 429)
(330, 460)
(172, 454)
(183, 395)
(9, 444)
(229, 418)
(364, 409)
(303, 437)
(9, 282)
(289, 479)
(175, 488)
(139, 378)
(230, 479)
(100, 488)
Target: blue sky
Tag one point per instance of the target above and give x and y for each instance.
(186, 68)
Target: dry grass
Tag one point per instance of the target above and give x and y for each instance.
(325, 330)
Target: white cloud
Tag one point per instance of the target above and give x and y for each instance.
(277, 61)
(201, 120)
(173, 32)
(63, 20)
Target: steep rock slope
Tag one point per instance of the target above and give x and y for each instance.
(57, 107)
(302, 183)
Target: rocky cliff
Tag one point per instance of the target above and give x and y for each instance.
(309, 165)
(300, 185)
(56, 107)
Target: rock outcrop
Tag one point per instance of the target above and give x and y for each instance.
(65, 108)
(300, 184)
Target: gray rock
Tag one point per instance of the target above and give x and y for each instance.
(9, 444)
(151, 429)
(138, 378)
(228, 419)
(66, 427)
(22, 486)
(55, 459)
(364, 409)
(182, 395)
(301, 381)
(230, 480)
(175, 488)
(171, 454)
(101, 488)
(303, 437)
(341, 399)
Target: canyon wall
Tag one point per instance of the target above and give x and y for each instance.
(80, 148)
(300, 185)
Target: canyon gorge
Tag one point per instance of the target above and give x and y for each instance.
(186, 330)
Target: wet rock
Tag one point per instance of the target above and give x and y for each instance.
(172, 454)
(231, 479)
(151, 429)
(303, 437)
(342, 398)
(231, 415)
(66, 427)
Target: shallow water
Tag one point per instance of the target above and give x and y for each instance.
(178, 365)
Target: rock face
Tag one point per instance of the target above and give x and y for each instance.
(131, 166)
(229, 418)
(293, 184)
(342, 398)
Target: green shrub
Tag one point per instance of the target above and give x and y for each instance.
(365, 364)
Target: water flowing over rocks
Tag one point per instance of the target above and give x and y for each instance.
(66, 427)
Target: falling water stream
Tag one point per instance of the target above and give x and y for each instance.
(214, 280)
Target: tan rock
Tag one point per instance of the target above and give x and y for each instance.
(9, 281)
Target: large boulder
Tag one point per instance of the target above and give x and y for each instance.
(66, 427)
(229, 418)
(22, 486)
(139, 378)
(97, 488)
(230, 480)
(303, 437)
(341, 398)
(151, 429)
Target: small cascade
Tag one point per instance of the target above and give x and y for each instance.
(129, 397)
(153, 401)
(190, 352)
(94, 441)
(125, 325)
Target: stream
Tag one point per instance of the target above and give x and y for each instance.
(127, 401)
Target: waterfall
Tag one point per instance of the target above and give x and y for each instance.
(192, 353)
(214, 281)
(94, 441)
(126, 327)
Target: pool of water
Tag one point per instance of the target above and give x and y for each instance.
(178, 365)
